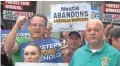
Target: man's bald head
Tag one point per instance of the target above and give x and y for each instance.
(94, 31)
(95, 21)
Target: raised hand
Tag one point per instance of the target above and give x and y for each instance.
(20, 21)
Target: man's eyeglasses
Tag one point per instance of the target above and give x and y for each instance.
(39, 25)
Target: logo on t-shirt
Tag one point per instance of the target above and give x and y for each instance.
(105, 61)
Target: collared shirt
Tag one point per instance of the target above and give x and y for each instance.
(106, 56)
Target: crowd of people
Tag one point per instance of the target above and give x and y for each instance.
(96, 46)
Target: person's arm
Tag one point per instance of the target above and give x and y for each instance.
(10, 45)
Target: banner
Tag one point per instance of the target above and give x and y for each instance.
(112, 7)
(50, 52)
(115, 18)
(12, 9)
(111, 13)
(40, 64)
(20, 33)
(70, 17)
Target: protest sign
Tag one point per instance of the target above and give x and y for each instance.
(40, 64)
(20, 33)
(13, 9)
(70, 17)
(50, 50)
(111, 13)
(95, 13)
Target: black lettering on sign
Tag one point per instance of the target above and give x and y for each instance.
(71, 14)
(72, 8)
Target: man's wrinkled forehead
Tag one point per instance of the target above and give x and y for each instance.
(37, 18)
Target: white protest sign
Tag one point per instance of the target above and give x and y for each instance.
(70, 17)
(40, 64)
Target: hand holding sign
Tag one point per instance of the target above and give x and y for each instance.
(48, 30)
(64, 50)
(109, 26)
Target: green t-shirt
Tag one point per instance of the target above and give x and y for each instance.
(17, 55)
(106, 56)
